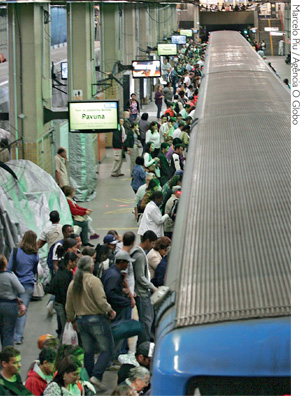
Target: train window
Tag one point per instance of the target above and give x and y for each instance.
(229, 386)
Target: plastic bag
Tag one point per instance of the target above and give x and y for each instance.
(70, 336)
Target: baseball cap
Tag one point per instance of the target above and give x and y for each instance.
(122, 255)
(146, 349)
(175, 189)
(110, 239)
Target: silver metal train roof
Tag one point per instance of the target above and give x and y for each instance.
(230, 255)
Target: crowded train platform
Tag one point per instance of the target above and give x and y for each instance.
(80, 289)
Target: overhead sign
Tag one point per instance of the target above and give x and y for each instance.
(93, 116)
(178, 39)
(276, 33)
(186, 32)
(146, 69)
(271, 29)
(166, 49)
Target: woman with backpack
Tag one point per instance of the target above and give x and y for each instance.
(23, 262)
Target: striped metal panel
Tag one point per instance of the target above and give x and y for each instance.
(230, 256)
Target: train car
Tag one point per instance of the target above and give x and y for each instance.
(223, 324)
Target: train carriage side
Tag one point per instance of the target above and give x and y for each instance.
(224, 326)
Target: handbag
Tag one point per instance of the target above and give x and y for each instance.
(126, 329)
(38, 290)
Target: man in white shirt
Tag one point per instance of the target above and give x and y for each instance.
(177, 132)
(52, 233)
(166, 68)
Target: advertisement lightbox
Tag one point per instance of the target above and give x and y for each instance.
(166, 49)
(93, 116)
(178, 39)
(186, 32)
(146, 69)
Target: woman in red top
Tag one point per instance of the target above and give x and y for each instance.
(170, 110)
(79, 214)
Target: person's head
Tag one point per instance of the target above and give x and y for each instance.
(177, 141)
(121, 121)
(123, 259)
(123, 390)
(176, 190)
(69, 245)
(172, 121)
(110, 241)
(165, 60)
(149, 177)
(164, 147)
(134, 126)
(69, 191)
(68, 371)
(149, 148)
(85, 264)
(126, 114)
(153, 185)
(133, 96)
(176, 97)
(47, 341)
(139, 378)
(181, 125)
(54, 217)
(89, 251)
(144, 353)
(169, 85)
(77, 239)
(175, 181)
(128, 238)
(69, 350)
(102, 253)
(157, 197)
(188, 120)
(62, 152)
(69, 261)
(11, 361)
(145, 116)
(179, 118)
(164, 118)
(28, 243)
(47, 360)
(153, 126)
(67, 230)
(178, 149)
(3, 263)
(186, 128)
(148, 239)
(159, 88)
(139, 161)
(181, 93)
(162, 245)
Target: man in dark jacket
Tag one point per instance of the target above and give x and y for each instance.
(164, 164)
(113, 284)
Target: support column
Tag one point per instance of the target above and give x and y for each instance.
(29, 81)
(81, 75)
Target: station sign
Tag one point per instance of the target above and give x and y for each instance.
(186, 32)
(166, 49)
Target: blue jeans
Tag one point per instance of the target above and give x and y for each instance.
(159, 106)
(8, 319)
(95, 333)
(133, 117)
(20, 325)
(146, 317)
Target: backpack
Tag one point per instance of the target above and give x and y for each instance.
(173, 210)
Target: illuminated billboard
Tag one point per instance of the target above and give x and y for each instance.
(146, 69)
(186, 32)
(178, 39)
(166, 49)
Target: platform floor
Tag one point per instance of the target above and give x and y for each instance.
(112, 209)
